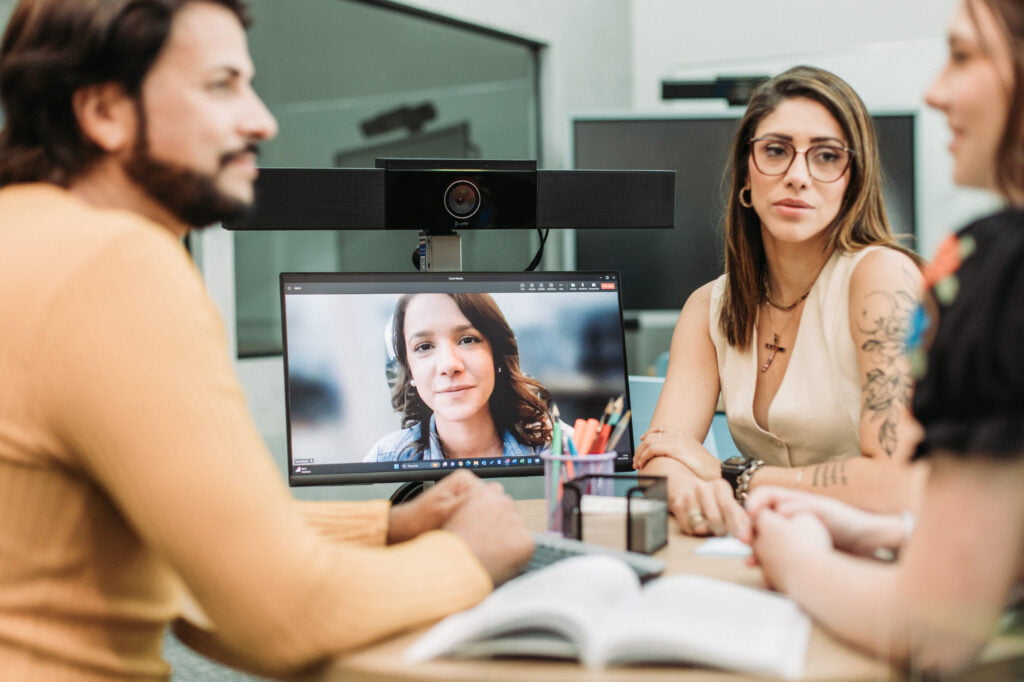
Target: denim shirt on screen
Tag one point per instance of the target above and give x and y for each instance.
(403, 445)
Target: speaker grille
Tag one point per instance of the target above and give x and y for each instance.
(317, 199)
(605, 199)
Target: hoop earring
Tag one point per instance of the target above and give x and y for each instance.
(749, 203)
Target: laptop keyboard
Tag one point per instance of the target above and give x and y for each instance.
(550, 548)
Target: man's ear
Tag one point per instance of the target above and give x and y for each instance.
(106, 115)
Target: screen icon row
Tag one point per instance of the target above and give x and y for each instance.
(470, 463)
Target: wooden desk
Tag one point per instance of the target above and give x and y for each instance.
(827, 658)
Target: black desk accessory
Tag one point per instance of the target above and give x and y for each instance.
(646, 516)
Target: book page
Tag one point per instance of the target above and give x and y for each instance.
(704, 621)
(561, 601)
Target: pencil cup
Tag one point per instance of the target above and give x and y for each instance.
(559, 469)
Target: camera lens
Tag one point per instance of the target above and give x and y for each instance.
(462, 199)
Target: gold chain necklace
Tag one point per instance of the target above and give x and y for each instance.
(779, 306)
(785, 308)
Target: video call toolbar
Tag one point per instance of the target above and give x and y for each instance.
(465, 463)
(421, 465)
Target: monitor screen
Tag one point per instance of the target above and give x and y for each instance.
(661, 268)
(467, 380)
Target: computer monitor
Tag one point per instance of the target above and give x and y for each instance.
(347, 422)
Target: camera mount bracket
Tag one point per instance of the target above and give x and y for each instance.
(441, 252)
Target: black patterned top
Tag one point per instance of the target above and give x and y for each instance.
(969, 353)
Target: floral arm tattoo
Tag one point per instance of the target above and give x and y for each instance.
(885, 320)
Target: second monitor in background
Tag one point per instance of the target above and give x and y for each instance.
(661, 268)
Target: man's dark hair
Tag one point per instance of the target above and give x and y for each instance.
(52, 48)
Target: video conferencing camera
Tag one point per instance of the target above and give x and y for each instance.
(440, 196)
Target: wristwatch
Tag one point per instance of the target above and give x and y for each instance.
(738, 471)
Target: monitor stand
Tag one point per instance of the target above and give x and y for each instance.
(409, 491)
(436, 252)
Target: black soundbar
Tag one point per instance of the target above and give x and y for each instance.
(606, 199)
(442, 196)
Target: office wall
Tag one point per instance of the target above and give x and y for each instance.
(586, 64)
(888, 50)
(669, 35)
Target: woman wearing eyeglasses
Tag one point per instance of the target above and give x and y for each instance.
(802, 339)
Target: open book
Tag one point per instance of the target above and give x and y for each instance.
(593, 608)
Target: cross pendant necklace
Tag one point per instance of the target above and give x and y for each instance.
(774, 348)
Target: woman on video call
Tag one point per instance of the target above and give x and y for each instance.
(802, 338)
(459, 386)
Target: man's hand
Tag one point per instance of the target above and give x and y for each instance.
(489, 523)
(431, 509)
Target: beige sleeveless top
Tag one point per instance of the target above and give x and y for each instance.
(815, 416)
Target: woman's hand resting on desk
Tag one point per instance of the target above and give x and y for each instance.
(852, 530)
(709, 508)
(785, 546)
(701, 501)
(680, 447)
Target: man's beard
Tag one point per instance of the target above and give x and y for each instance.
(189, 195)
